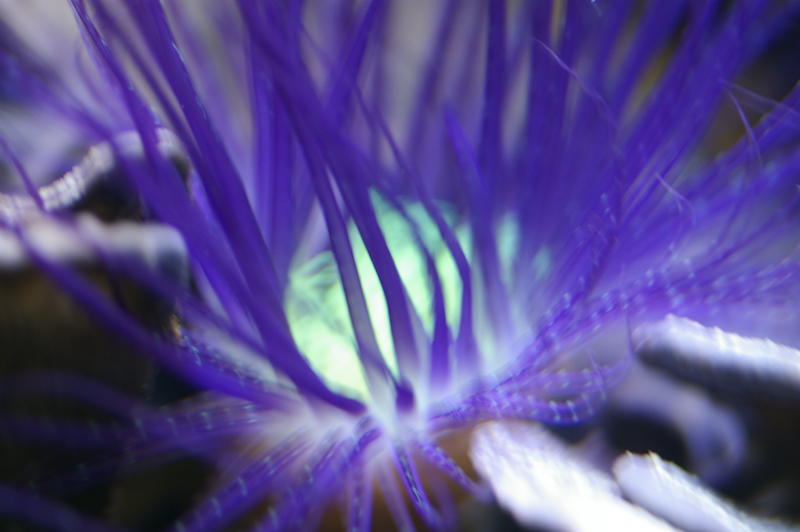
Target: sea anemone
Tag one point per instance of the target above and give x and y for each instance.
(399, 219)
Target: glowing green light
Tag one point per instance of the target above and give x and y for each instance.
(315, 302)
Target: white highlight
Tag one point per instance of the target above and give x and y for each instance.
(58, 241)
(670, 492)
(73, 185)
(689, 343)
(542, 483)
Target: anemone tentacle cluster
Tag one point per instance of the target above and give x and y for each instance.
(404, 218)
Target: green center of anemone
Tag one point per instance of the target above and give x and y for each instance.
(315, 302)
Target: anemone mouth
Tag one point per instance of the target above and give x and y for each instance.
(317, 310)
